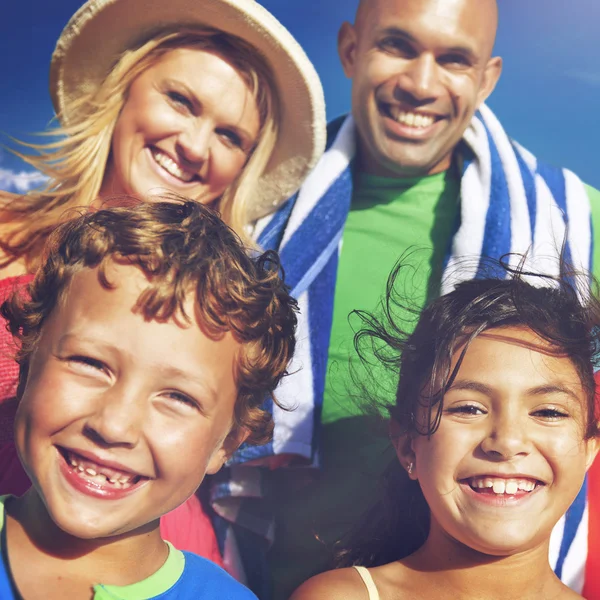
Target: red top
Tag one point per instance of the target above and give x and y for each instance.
(188, 527)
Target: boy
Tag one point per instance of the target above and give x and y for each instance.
(147, 346)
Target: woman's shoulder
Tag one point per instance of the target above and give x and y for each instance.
(340, 584)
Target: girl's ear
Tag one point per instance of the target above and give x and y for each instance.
(591, 450)
(403, 444)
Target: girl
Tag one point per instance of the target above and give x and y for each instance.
(494, 428)
(213, 100)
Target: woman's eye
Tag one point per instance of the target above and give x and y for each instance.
(180, 100)
(231, 138)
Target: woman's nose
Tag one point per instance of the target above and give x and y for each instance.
(193, 143)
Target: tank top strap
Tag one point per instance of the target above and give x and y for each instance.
(365, 575)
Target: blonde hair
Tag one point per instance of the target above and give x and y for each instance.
(71, 163)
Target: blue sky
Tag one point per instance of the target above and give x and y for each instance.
(548, 97)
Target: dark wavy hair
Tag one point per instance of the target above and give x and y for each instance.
(563, 311)
(182, 247)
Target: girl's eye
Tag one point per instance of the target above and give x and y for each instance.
(466, 409)
(180, 100)
(230, 137)
(551, 414)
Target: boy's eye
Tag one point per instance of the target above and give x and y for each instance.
(86, 363)
(183, 399)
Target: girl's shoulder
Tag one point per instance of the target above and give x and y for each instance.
(339, 584)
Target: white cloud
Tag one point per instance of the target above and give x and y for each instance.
(20, 181)
(589, 77)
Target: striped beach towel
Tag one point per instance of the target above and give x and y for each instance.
(510, 203)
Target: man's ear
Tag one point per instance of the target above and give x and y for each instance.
(347, 48)
(403, 444)
(235, 438)
(491, 75)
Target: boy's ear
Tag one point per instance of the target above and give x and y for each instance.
(403, 444)
(235, 438)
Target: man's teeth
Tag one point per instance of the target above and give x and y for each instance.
(411, 119)
(503, 486)
(82, 468)
(171, 167)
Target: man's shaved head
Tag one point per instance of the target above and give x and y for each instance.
(420, 69)
(483, 12)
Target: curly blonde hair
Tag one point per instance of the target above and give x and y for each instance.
(71, 163)
(183, 248)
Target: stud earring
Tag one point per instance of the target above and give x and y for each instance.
(410, 468)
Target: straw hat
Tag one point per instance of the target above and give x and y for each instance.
(101, 30)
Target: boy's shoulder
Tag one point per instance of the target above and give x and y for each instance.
(202, 579)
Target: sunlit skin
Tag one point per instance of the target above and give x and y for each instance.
(154, 397)
(188, 125)
(515, 410)
(431, 58)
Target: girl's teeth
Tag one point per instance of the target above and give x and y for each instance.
(171, 167)
(499, 487)
(91, 472)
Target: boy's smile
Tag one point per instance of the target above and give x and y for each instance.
(509, 456)
(121, 417)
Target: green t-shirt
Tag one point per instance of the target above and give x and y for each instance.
(412, 217)
(387, 218)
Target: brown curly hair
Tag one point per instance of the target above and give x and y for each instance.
(180, 246)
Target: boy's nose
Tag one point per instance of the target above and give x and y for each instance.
(118, 419)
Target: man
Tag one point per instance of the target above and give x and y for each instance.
(415, 167)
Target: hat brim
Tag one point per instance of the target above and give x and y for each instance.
(101, 30)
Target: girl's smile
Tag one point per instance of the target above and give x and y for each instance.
(509, 455)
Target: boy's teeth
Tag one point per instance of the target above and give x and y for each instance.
(171, 166)
(100, 474)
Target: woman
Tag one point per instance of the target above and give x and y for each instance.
(213, 100)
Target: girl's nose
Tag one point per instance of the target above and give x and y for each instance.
(506, 439)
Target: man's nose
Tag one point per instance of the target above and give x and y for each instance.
(420, 78)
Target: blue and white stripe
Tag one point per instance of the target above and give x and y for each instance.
(511, 204)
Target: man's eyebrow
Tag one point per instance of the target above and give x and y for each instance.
(402, 33)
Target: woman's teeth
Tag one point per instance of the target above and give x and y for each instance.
(171, 167)
(101, 475)
(503, 486)
(411, 119)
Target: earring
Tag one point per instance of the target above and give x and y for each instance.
(410, 468)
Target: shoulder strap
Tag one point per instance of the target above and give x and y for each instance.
(365, 575)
